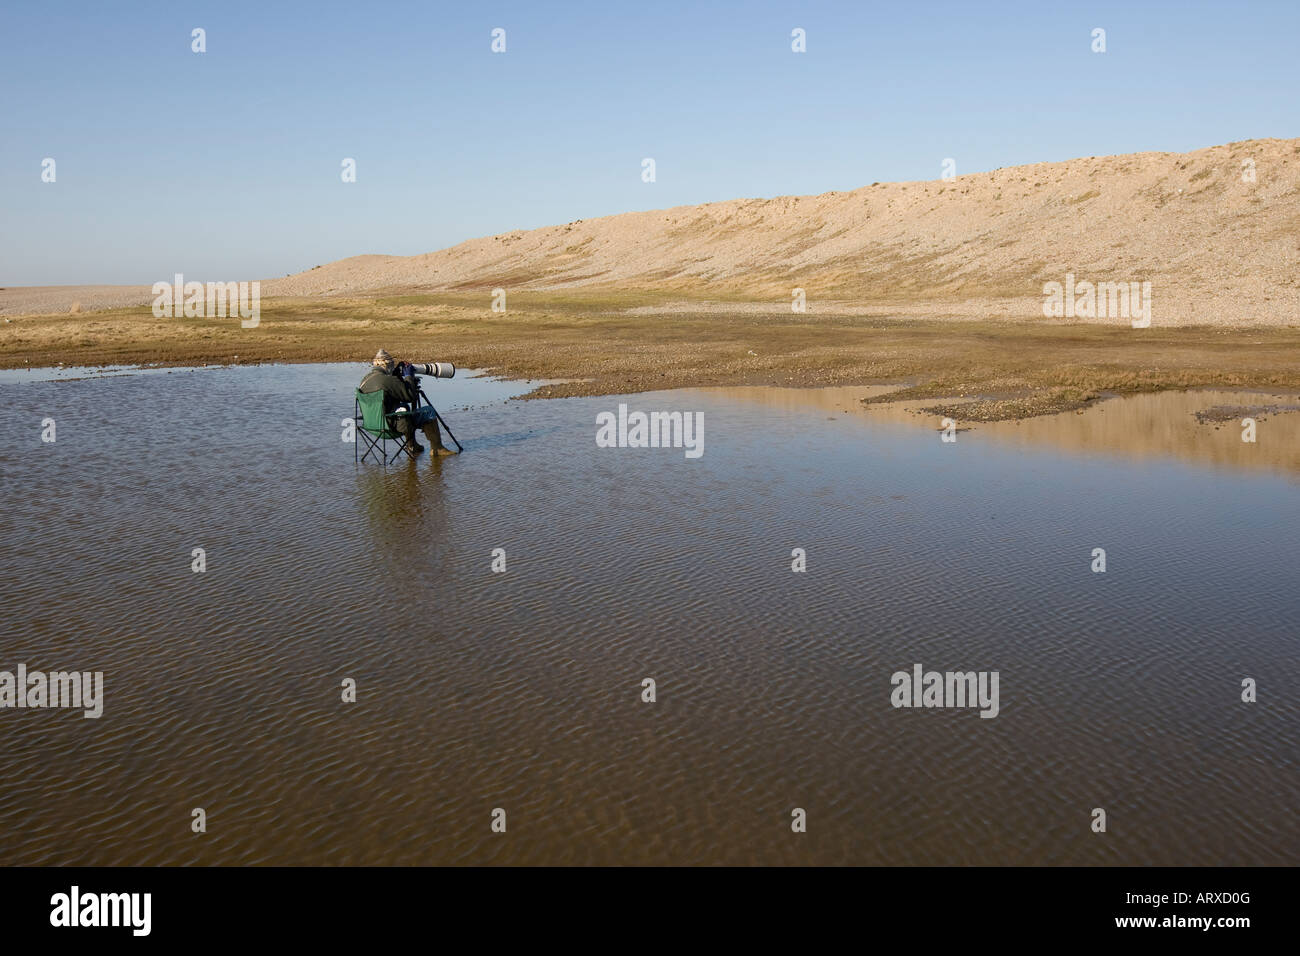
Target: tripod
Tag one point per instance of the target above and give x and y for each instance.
(437, 418)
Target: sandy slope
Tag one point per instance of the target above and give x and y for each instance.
(1217, 249)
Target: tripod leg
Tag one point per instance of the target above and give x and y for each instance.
(439, 418)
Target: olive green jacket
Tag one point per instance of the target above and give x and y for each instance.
(396, 392)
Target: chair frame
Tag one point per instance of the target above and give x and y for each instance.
(377, 442)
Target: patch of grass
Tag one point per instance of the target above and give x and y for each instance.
(1007, 369)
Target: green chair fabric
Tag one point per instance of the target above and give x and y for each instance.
(376, 428)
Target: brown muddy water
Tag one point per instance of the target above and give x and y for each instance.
(523, 690)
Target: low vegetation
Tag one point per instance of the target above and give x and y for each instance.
(602, 342)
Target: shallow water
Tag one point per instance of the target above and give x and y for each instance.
(522, 690)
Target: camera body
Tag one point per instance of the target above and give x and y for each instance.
(434, 369)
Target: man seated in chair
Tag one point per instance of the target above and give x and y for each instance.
(403, 393)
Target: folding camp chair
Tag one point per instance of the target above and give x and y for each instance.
(373, 427)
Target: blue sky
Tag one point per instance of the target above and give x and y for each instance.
(226, 164)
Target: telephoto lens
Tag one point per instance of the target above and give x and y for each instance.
(437, 369)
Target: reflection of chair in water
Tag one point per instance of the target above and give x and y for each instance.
(410, 526)
(373, 427)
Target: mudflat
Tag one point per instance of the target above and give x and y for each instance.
(607, 343)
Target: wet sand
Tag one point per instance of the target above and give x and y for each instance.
(606, 344)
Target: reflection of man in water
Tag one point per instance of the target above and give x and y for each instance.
(403, 393)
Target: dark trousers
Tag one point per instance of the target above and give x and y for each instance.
(426, 418)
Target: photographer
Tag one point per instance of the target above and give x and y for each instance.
(398, 383)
